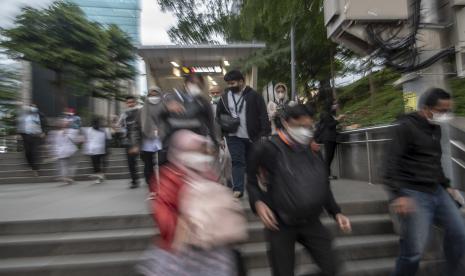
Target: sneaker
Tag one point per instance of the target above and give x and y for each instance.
(151, 196)
(134, 185)
(237, 194)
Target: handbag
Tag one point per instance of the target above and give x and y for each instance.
(228, 123)
(209, 216)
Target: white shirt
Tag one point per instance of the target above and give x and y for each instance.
(95, 142)
(242, 130)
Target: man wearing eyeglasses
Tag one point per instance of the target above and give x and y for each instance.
(421, 193)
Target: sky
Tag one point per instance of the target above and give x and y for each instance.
(154, 23)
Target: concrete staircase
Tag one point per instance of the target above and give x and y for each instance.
(112, 245)
(14, 169)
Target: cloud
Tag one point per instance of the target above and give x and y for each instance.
(155, 24)
(9, 9)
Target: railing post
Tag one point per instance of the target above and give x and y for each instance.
(367, 138)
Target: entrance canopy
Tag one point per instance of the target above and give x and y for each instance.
(166, 64)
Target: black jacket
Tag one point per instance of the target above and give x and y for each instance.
(198, 116)
(130, 121)
(414, 156)
(297, 186)
(326, 129)
(258, 124)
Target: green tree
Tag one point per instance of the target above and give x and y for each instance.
(9, 94)
(58, 38)
(269, 21)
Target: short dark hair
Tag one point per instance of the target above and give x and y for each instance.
(432, 96)
(234, 75)
(297, 111)
(130, 98)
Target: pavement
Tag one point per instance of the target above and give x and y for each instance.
(20, 202)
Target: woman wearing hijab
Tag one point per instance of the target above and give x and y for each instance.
(151, 133)
(96, 143)
(276, 106)
(196, 228)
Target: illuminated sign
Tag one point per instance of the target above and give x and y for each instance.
(208, 69)
(410, 101)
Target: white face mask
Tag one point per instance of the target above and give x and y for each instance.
(196, 160)
(193, 89)
(301, 135)
(154, 99)
(441, 118)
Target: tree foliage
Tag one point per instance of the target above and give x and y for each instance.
(83, 54)
(267, 21)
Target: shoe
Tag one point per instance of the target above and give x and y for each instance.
(68, 181)
(134, 185)
(151, 196)
(332, 177)
(237, 194)
(35, 173)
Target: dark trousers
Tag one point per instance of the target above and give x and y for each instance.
(31, 150)
(239, 149)
(149, 165)
(313, 236)
(132, 164)
(98, 162)
(330, 150)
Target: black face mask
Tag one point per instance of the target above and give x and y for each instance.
(235, 89)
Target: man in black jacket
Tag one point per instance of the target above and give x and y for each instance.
(246, 106)
(129, 121)
(326, 133)
(421, 192)
(297, 190)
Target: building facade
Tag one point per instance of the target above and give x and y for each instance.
(124, 13)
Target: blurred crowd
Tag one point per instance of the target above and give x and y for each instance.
(201, 155)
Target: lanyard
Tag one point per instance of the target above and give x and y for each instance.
(239, 103)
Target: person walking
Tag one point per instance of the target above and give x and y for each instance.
(152, 133)
(421, 194)
(197, 217)
(297, 191)
(32, 128)
(129, 121)
(243, 118)
(276, 107)
(223, 162)
(65, 147)
(326, 133)
(96, 144)
(189, 109)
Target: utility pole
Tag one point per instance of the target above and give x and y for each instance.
(293, 88)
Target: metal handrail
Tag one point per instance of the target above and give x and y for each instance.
(367, 129)
(365, 141)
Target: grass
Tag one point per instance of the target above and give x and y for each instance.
(387, 103)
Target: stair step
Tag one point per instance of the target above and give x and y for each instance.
(53, 165)
(56, 171)
(348, 248)
(48, 179)
(53, 244)
(100, 264)
(369, 267)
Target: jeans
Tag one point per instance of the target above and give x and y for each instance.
(239, 149)
(313, 236)
(437, 208)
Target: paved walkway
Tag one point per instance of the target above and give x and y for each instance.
(86, 199)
